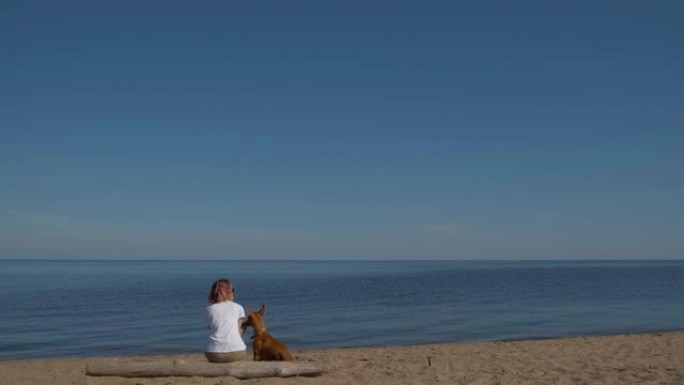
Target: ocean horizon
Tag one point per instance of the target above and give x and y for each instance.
(81, 308)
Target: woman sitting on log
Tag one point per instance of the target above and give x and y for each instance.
(225, 320)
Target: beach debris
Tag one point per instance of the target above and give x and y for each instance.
(241, 369)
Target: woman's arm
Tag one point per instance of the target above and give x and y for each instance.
(241, 325)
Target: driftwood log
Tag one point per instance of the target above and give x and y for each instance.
(180, 368)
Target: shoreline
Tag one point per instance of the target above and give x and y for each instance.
(386, 346)
(616, 359)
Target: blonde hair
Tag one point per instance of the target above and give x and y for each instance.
(221, 291)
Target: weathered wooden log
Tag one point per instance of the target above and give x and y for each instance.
(176, 368)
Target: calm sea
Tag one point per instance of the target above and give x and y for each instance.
(77, 308)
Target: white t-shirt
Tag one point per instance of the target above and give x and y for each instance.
(222, 319)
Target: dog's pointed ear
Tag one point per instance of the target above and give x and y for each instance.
(262, 310)
(250, 311)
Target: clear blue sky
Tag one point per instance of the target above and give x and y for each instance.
(327, 130)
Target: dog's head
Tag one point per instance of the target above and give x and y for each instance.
(255, 319)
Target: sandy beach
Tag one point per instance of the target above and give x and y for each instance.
(625, 359)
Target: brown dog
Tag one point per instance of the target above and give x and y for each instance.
(265, 347)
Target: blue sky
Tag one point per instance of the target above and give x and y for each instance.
(335, 130)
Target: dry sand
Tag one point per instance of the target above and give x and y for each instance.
(629, 359)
